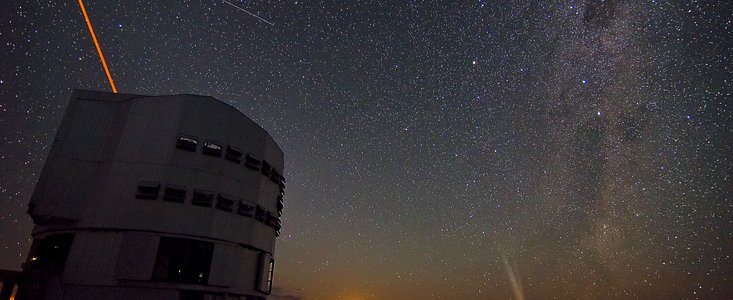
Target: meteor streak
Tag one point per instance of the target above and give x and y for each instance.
(99, 50)
(244, 10)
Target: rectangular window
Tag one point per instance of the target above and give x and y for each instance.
(234, 154)
(278, 226)
(51, 253)
(282, 185)
(147, 190)
(187, 143)
(265, 273)
(183, 260)
(259, 214)
(245, 209)
(212, 148)
(270, 219)
(275, 176)
(225, 202)
(174, 193)
(252, 162)
(266, 169)
(280, 205)
(202, 198)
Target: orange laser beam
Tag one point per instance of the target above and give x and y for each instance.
(99, 50)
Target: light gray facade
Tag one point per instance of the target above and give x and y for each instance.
(156, 197)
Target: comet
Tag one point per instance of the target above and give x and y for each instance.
(513, 279)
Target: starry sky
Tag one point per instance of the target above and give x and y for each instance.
(434, 150)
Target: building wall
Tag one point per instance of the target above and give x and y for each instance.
(109, 153)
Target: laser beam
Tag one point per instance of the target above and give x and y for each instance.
(96, 44)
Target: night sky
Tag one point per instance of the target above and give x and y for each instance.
(475, 150)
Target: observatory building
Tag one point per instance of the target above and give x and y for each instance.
(155, 197)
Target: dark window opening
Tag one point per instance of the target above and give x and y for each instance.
(147, 190)
(270, 219)
(213, 149)
(265, 273)
(52, 253)
(252, 162)
(280, 205)
(275, 176)
(174, 193)
(260, 214)
(187, 143)
(225, 202)
(183, 260)
(278, 226)
(234, 154)
(245, 209)
(202, 198)
(266, 168)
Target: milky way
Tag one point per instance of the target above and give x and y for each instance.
(467, 151)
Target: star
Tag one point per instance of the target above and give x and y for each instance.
(384, 116)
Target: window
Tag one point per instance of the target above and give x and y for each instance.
(51, 253)
(234, 154)
(174, 193)
(265, 273)
(187, 143)
(225, 202)
(275, 176)
(147, 190)
(259, 214)
(252, 162)
(245, 209)
(202, 198)
(270, 219)
(278, 226)
(280, 205)
(212, 148)
(282, 186)
(266, 169)
(183, 260)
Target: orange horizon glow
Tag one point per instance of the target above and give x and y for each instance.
(99, 50)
